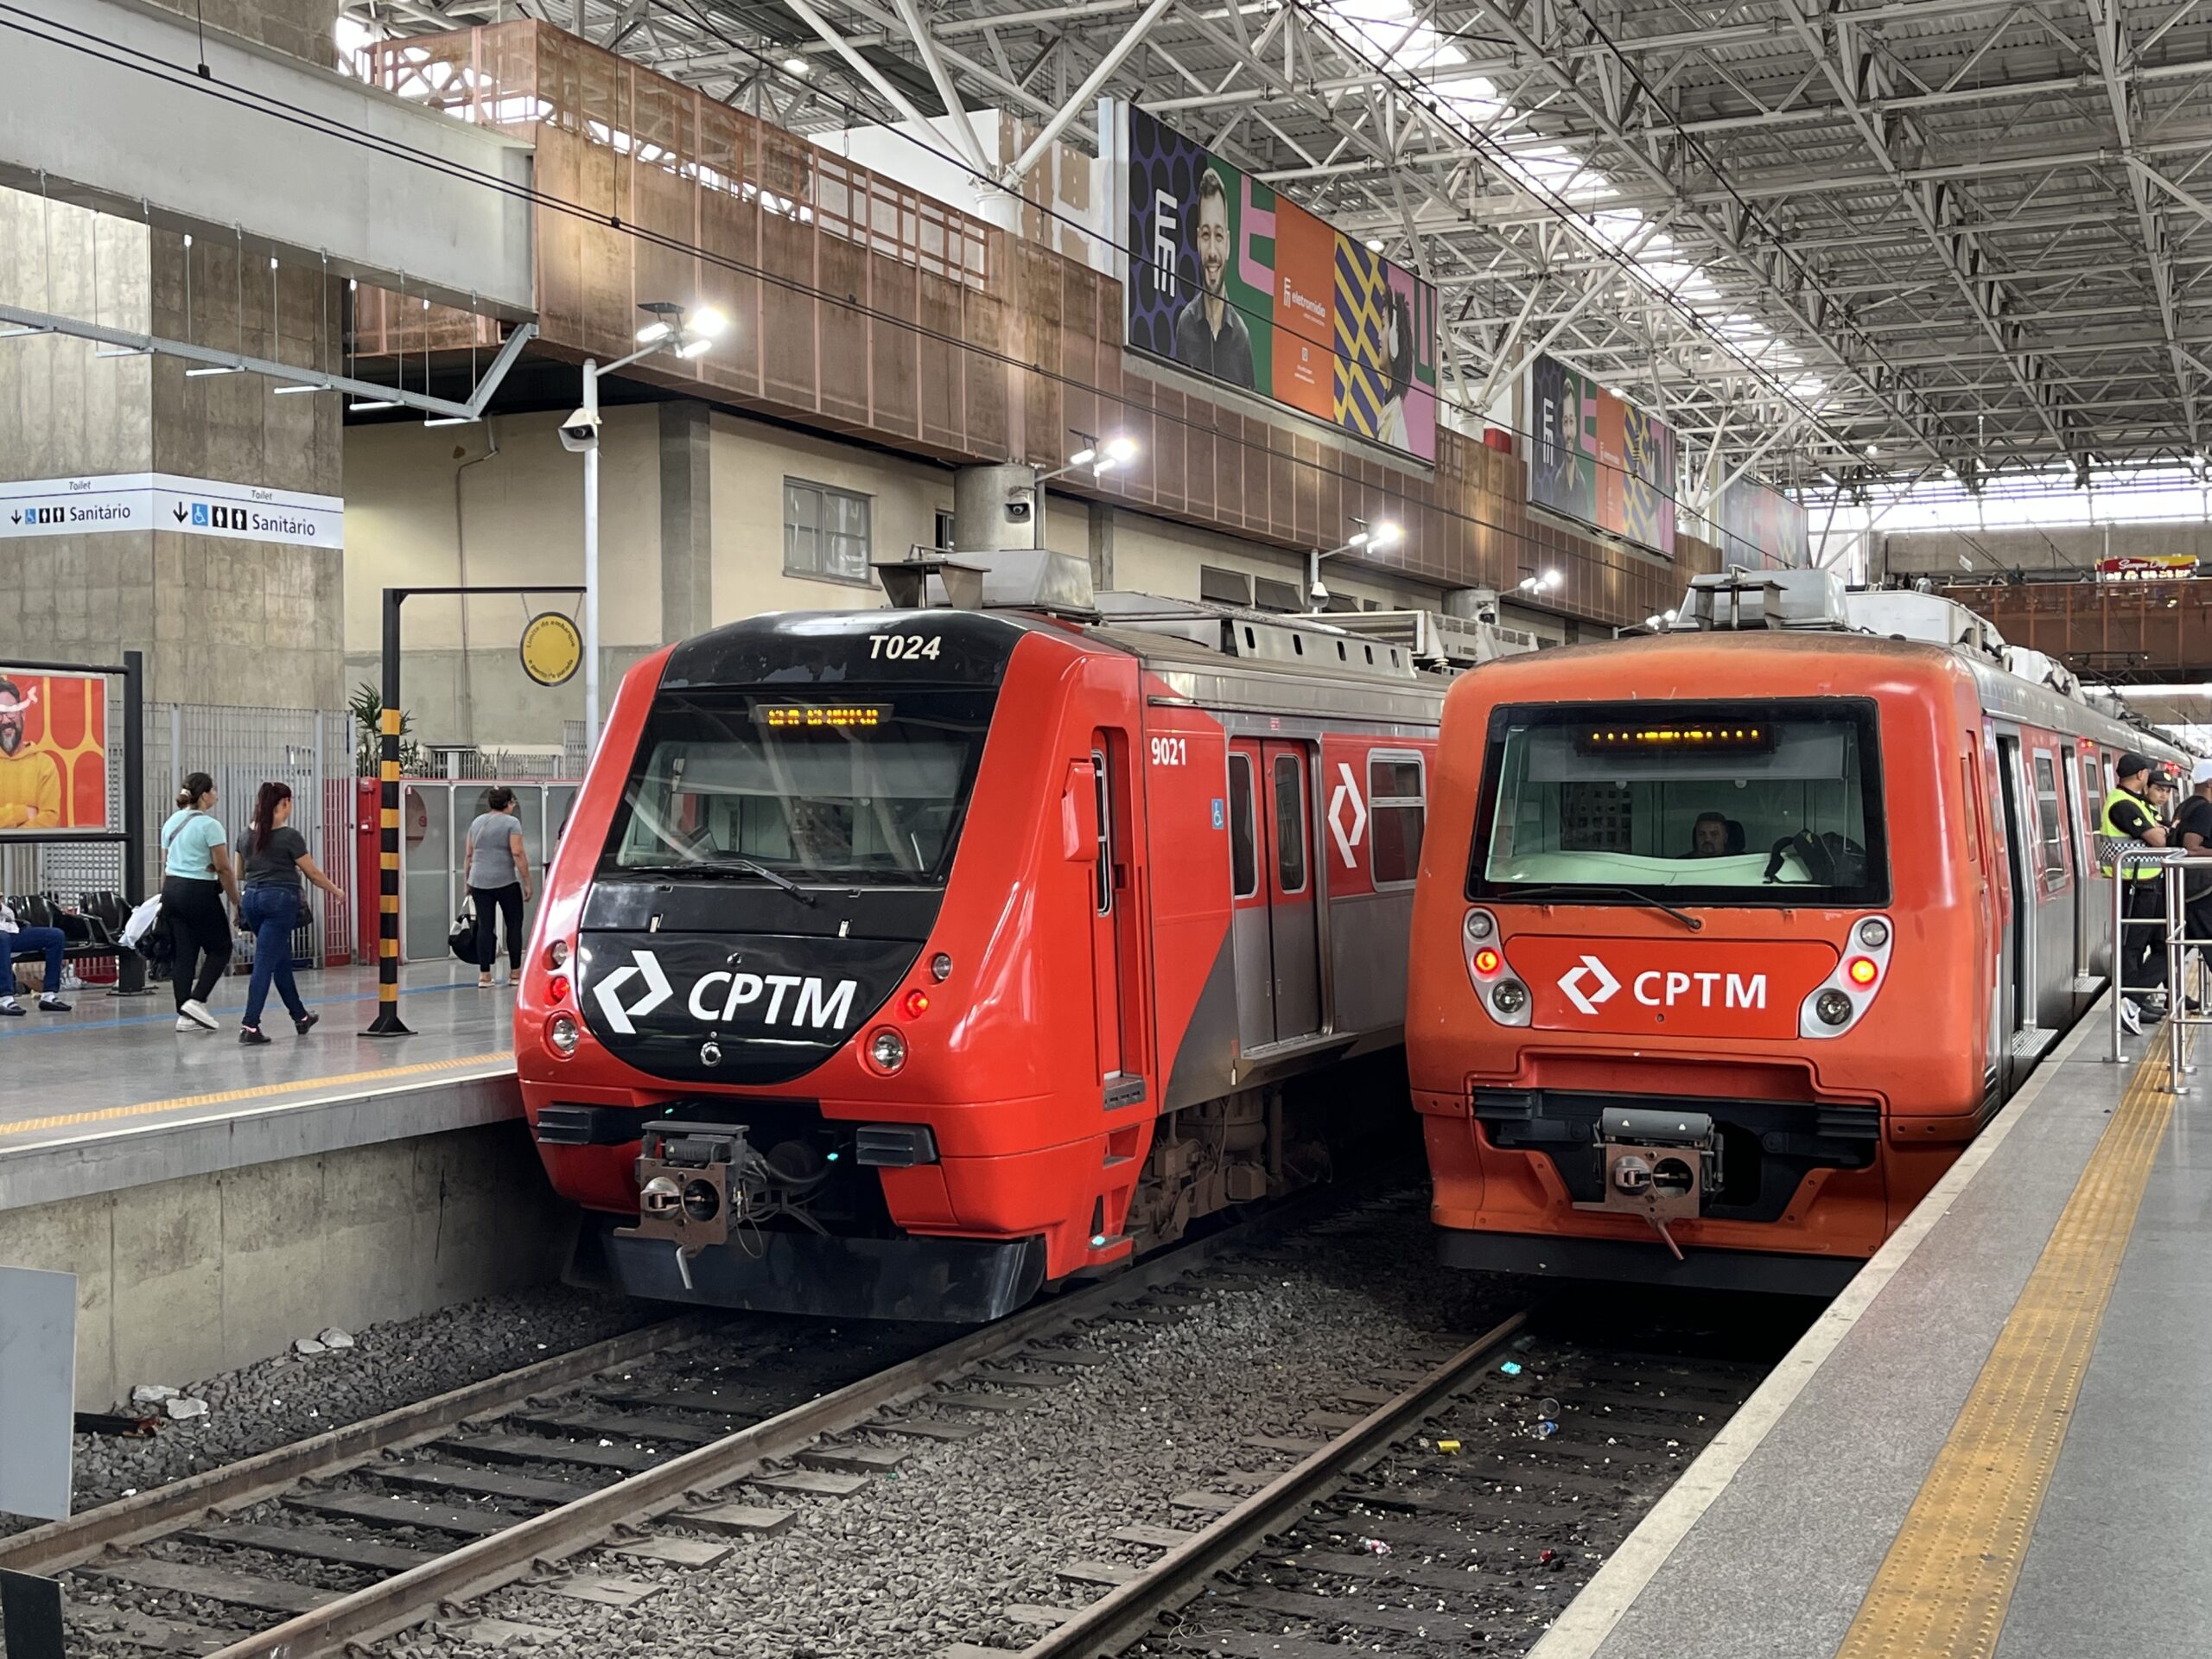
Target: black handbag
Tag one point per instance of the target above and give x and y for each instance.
(462, 940)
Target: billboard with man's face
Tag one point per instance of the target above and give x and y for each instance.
(53, 752)
(1229, 279)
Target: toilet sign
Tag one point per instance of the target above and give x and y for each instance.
(107, 504)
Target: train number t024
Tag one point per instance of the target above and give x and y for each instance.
(905, 647)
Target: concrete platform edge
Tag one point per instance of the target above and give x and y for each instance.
(231, 1137)
(1589, 1618)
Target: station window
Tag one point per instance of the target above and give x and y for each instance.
(1225, 587)
(1268, 594)
(2051, 821)
(1243, 857)
(826, 532)
(1397, 806)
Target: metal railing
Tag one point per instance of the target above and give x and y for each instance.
(2173, 869)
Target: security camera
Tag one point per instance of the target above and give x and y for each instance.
(580, 432)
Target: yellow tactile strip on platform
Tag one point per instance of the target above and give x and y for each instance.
(257, 1091)
(1943, 1589)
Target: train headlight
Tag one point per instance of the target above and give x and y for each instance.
(1480, 924)
(1874, 933)
(561, 1035)
(1863, 972)
(940, 967)
(887, 1049)
(556, 955)
(1510, 997)
(1833, 1008)
(1487, 962)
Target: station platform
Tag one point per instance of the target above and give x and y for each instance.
(112, 1095)
(216, 1201)
(1996, 1441)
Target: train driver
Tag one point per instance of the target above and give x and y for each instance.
(1709, 835)
(2139, 951)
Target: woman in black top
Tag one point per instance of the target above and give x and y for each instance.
(272, 857)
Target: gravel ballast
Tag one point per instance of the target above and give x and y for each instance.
(941, 1548)
(277, 1401)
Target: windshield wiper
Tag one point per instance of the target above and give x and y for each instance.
(1694, 923)
(722, 868)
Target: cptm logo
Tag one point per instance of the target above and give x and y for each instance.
(1590, 984)
(717, 996)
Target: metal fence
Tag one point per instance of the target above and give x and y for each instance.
(241, 748)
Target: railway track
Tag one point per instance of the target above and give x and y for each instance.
(1460, 1515)
(545, 1505)
(355, 1534)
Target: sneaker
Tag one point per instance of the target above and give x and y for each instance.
(306, 1022)
(50, 1004)
(2130, 1016)
(9, 1005)
(196, 1011)
(183, 1023)
(251, 1035)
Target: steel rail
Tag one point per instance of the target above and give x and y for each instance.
(1129, 1611)
(372, 1613)
(162, 1508)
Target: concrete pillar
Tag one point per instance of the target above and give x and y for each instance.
(221, 620)
(686, 521)
(1102, 546)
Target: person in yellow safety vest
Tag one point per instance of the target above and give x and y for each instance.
(2140, 953)
(30, 785)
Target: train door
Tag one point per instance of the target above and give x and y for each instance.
(1292, 917)
(2084, 867)
(1249, 931)
(1114, 949)
(2020, 930)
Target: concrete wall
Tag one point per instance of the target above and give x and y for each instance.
(436, 506)
(224, 621)
(182, 1279)
(691, 536)
(2074, 549)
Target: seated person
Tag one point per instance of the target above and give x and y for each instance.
(1709, 836)
(16, 940)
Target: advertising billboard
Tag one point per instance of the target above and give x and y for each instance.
(1759, 523)
(1596, 458)
(1229, 279)
(53, 752)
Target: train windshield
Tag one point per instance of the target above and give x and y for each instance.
(1740, 802)
(861, 788)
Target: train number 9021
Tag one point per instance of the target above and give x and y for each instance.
(905, 647)
(1170, 750)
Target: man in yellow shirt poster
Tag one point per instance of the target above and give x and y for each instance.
(53, 764)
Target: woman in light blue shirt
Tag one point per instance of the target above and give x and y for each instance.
(196, 872)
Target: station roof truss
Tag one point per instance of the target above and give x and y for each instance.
(1862, 239)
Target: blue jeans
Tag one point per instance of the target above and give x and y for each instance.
(272, 913)
(30, 941)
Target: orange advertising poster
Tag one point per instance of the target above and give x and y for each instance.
(1305, 257)
(53, 752)
(1612, 463)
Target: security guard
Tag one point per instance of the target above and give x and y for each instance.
(2139, 951)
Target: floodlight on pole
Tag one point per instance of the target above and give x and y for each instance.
(1096, 458)
(1384, 533)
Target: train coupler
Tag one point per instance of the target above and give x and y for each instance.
(686, 1195)
(1657, 1165)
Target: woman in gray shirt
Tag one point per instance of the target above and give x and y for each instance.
(272, 858)
(497, 871)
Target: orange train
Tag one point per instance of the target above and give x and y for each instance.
(897, 963)
(1727, 941)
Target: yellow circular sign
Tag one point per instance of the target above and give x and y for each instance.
(552, 649)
